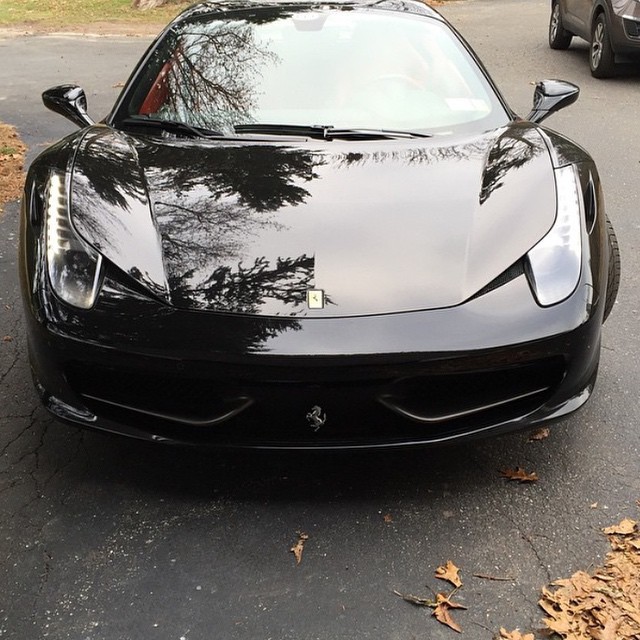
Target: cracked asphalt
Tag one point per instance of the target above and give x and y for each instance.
(103, 538)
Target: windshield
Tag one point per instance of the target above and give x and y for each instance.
(356, 68)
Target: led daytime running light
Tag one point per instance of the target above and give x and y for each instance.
(74, 268)
(555, 262)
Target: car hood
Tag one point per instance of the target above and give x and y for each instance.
(250, 227)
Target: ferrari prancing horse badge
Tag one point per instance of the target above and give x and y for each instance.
(315, 299)
(316, 417)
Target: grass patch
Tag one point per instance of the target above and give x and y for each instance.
(8, 151)
(60, 13)
(70, 14)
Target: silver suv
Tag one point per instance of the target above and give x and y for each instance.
(611, 26)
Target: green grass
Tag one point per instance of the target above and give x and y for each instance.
(58, 13)
(7, 151)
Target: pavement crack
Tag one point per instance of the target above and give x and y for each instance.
(527, 538)
(530, 543)
(44, 576)
(5, 374)
(4, 449)
(75, 456)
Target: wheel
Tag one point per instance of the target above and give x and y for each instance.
(601, 57)
(613, 277)
(559, 37)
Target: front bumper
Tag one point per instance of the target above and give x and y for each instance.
(136, 367)
(625, 27)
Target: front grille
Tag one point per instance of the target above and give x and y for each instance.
(268, 405)
(478, 398)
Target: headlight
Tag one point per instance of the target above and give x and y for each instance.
(555, 262)
(73, 266)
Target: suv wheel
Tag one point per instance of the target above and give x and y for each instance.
(601, 57)
(559, 37)
(613, 276)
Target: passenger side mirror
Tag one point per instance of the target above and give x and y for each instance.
(551, 96)
(69, 101)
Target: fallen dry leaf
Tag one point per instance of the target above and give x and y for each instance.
(519, 475)
(605, 605)
(417, 600)
(441, 611)
(515, 635)
(298, 547)
(450, 573)
(626, 527)
(441, 607)
(541, 434)
(388, 517)
(7, 339)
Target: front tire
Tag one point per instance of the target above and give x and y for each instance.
(601, 56)
(613, 277)
(559, 37)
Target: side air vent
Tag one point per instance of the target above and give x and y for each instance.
(590, 206)
(515, 270)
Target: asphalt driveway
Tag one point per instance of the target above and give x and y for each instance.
(104, 538)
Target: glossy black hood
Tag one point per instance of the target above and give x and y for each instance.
(249, 227)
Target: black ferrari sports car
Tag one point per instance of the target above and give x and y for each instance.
(314, 226)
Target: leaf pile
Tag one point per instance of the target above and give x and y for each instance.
(12, 152)
(605, 605)
(514, 635)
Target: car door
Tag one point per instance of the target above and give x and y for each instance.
(578, 17)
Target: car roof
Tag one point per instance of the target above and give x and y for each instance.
(416, 7)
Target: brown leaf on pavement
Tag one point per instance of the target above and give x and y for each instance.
(515, 635)
(520, 475)
(541, 434)
(625, 528)
(441, 611)
(604, 605)
(445, 598)
(7, 339)
(298, 547)
(417, 600)
(449, 572)
(388, 517)
(441, 606)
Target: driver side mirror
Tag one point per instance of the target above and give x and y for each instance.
(69, 101)
(551, 96)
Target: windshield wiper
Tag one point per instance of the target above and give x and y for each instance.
(327, 132)
(173, 126)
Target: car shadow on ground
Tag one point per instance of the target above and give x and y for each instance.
(578, 54)
(171, 472)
